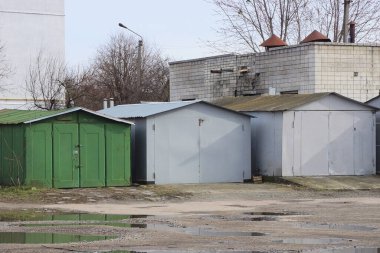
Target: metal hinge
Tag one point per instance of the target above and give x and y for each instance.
(154, 175)
(293, 124)
(154, 127)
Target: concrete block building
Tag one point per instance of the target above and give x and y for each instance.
(27, 27)
(352, 70)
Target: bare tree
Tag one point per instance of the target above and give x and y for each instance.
(4, 68)
(116, 72)
(250, 22)
(43, 82)
(247, 23)
(77, 83)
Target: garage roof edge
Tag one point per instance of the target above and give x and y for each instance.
(75, 109)
(148, 109)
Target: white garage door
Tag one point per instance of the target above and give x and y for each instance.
(176, 150)
(341, 143)
(314, 143)
(196, 148)
(332, 143)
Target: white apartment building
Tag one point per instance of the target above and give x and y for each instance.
(28, 27)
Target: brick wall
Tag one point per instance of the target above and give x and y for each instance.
(349, 69)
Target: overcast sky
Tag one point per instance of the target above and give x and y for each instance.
(178, 27)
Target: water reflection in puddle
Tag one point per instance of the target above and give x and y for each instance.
(180, 251)
(69, 217)
(311, 240)
(48, 238)
(335, 226)
(265, 218)
(272, 213)
(197, 231)
(346, 250)
(112, 224)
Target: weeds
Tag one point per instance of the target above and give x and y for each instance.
(20, 193)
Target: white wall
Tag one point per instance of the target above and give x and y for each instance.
(199, 143)
(26, 27)
(267, 143)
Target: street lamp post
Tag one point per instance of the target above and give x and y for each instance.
(139, 54)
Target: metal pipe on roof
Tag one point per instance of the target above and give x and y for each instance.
(345, 19)
(352, 32)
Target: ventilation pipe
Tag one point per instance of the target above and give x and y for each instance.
(105, 103)
(352, 32)
(345, 19)
(112, 102)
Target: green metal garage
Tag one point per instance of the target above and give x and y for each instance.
(64, 149)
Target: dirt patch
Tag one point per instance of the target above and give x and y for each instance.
(92, 195)
(206, 218)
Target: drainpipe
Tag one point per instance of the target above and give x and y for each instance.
(352, 32)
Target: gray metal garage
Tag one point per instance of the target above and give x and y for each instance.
(309, 134)
(187, 142)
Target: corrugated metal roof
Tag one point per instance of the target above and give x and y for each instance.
(274, 103)
(152, 108)
(9, 117)
(145, 109)
(20, 116)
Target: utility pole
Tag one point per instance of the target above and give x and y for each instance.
(345, 19)
(139, 57)
(139, 63)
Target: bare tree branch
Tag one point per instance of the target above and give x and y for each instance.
(115, 71)
(250, 22)
(43, 82)
(4, 68)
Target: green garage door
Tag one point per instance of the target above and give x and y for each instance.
(118, 152)
(92, 155)
(39, 155)
(66, 156)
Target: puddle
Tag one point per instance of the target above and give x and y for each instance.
(113, 224)
(272, 213)
(241, 206)
(265, 218)
(69, 217)
(336, 226)
(201, 231)
(297, 200)
(178, 251)
(47, 238)
(161, 227)
(346, 250)
(239, 218)
(311, 240)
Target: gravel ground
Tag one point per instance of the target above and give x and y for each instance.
(205, 218)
